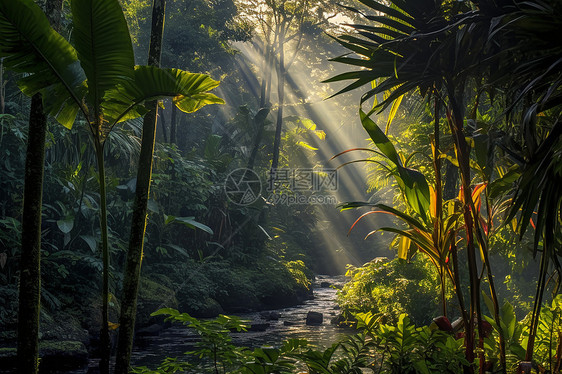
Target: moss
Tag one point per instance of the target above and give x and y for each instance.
(52, 328)
(7, 352)
(63, 346)
(62, 355)
(152, 295)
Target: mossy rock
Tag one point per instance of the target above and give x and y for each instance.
(206, 308)
(8, 360)
(54, 356)
(92, 314)
(62, 355)
(7, 352)
(239, 298)
(153, 296)
(62, 327)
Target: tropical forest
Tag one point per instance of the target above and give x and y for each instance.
(280, 186)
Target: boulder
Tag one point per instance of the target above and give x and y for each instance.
(55, 356)
(208, 308)
(153, 295)
(62, 327)
(258, 327)
(62, 355)
(290, 323)
(314, 318)
(8, 359)
(325, 284)
(152, 330)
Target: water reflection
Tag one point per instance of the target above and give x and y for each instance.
(173, 342)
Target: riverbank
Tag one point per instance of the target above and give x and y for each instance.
(71, 349)
(271, 327)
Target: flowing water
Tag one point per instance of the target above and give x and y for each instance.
(174, 341)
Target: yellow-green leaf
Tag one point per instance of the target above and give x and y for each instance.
(403, 247)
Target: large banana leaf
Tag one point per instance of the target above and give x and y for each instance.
(29, 45)
(103, 42)
(189, 92)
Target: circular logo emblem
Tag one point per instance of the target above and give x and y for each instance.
(242, 186)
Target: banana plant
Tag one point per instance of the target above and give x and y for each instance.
(96, 77)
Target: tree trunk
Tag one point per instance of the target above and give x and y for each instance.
(173, 124)
(438, 223)
(450, 186)
(30, 262)
(163, 125)
(264, 101)
(2, 90)
(463, 156)
(105, 349)
(30, 275)
(138, 225)
(281, 94)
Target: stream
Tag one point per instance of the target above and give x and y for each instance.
(176, 340)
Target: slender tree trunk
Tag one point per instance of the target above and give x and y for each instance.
(538, 304)
(30, 274)
(264, 104)
(30, 262)
(281, 94)
(173, 124)
(463, 157)
(163, 125)
(2, 85)
(438, 223)
(138, 225)
(457, 284)
(181, 129)
(450, 190)
(105, 345)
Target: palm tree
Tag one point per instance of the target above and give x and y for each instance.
(96, 77)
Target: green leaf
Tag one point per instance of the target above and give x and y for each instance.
(507, 316)
(354, 205)
(389, 11)
(29, 45)
(102, 40)
(393, 111)
(379, 138)
(91, 241)
(504, 184)
(416, 190)
(188, 91)
(191, 223)
(170, 311)
(65, 225)
(306, 145)
(153, 206)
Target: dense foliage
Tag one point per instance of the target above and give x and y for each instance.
(462, 111)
